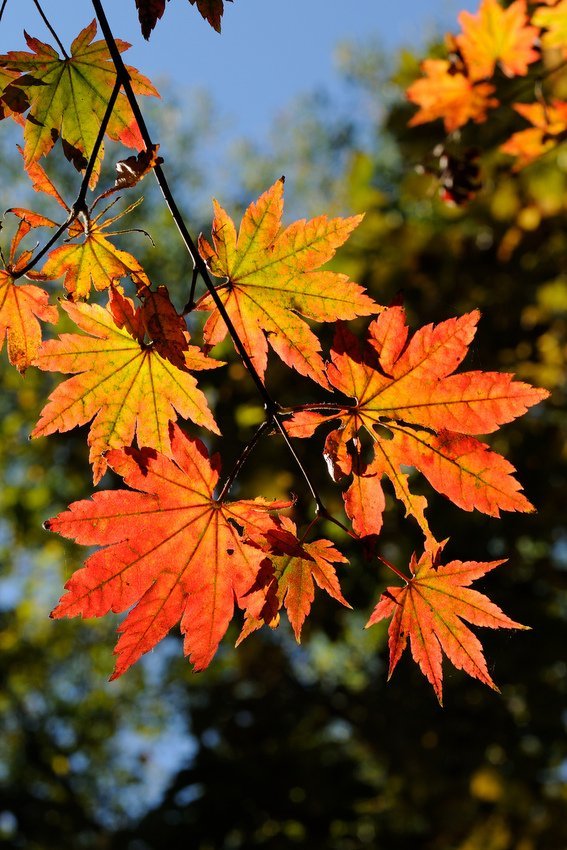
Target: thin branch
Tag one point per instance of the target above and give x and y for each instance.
(80, 202)
(191, 303)
(245, 454)
(271, 407)
(35, 260)
(394, 569)
(50, 28)
(80, 205)
(2, 8)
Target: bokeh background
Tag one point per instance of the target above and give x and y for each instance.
(280, 746)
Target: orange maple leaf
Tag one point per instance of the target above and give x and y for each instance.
(430, 611)
(549, 127)
(272, 282)
(500, 35)
(448, 94)
(68, 98)
(129, 385)
(289, 577)
(171, 550)
(418, 414)
(23, 305)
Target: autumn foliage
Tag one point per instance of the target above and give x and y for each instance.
(173, 548)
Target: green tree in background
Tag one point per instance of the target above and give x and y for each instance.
(279, 746)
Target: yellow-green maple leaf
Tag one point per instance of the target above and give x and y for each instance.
(120, 380)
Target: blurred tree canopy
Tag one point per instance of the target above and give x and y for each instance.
(279, 746)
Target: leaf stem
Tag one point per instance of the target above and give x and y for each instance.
(191, 303)
(394, 569)
(50, 28)
(271, 407)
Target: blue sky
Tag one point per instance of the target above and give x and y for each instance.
(269, 50)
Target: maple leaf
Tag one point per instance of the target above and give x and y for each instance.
(68, 98)
(498, 35)
(549, 126)
(125, 383)
(553, 20)
(272, 282)
(418, 414)
(289, 577)
(94, 261)
(23, 305)
(450, 95)
(171, 550)
(430, 611)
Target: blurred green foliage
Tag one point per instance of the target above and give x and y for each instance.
(279, 746)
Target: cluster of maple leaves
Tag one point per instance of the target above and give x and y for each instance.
(494, 44)
(174, 549)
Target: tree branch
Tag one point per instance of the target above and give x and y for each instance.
(270, 405)
(50, 28)
(79, 206)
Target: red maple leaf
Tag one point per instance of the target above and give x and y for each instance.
(171, 550)
(289, 577)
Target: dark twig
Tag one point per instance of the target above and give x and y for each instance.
(80, 205)
(191, 303)
(2, 8)
(35, 260)
(245, 454)
(51, 30)
(80, 202)
(271, 407)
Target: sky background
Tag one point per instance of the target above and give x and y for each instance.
(269, 50)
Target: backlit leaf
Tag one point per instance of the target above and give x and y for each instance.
(549, 127)
(273, 282)
(495, 34)
(430, 611)
(171, 550)
(23, 305)
(289, 579)
(419, 414)
(553, 20)
(94, 261)
(68, 97)
(449, 95)
(121, 380)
